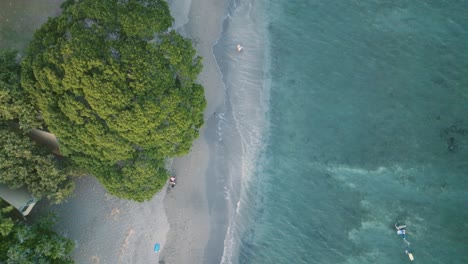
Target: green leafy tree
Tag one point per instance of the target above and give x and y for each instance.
(118, 90)
(15, 104)
(22, 162)
(136, 181)
(31, 243)
(6, 223)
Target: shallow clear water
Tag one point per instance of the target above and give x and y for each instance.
(366, 125)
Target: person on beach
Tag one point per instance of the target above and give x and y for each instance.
(172, 181)
(239, 48)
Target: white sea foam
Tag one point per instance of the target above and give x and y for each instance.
(242, 128)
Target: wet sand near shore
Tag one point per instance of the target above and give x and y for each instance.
(191, 212)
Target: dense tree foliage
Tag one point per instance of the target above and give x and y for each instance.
(15, 105)
(118, 90)
(35, 243)
(22, 161)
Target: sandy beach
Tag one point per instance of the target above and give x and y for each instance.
(195, 208)
(107, 229)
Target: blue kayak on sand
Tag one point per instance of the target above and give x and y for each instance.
(157, 247)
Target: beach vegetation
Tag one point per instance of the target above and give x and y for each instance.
(15, 105)
(22, 242)
(118, 89)
(23, 163)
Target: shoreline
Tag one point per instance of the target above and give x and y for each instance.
(196, 217)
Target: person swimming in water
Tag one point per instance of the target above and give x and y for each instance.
(239, 48)
(401, 231)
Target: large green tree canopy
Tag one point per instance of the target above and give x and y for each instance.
(118, 89)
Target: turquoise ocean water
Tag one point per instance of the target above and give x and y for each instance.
(347, 116)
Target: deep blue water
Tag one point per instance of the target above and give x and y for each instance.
(366, 124)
